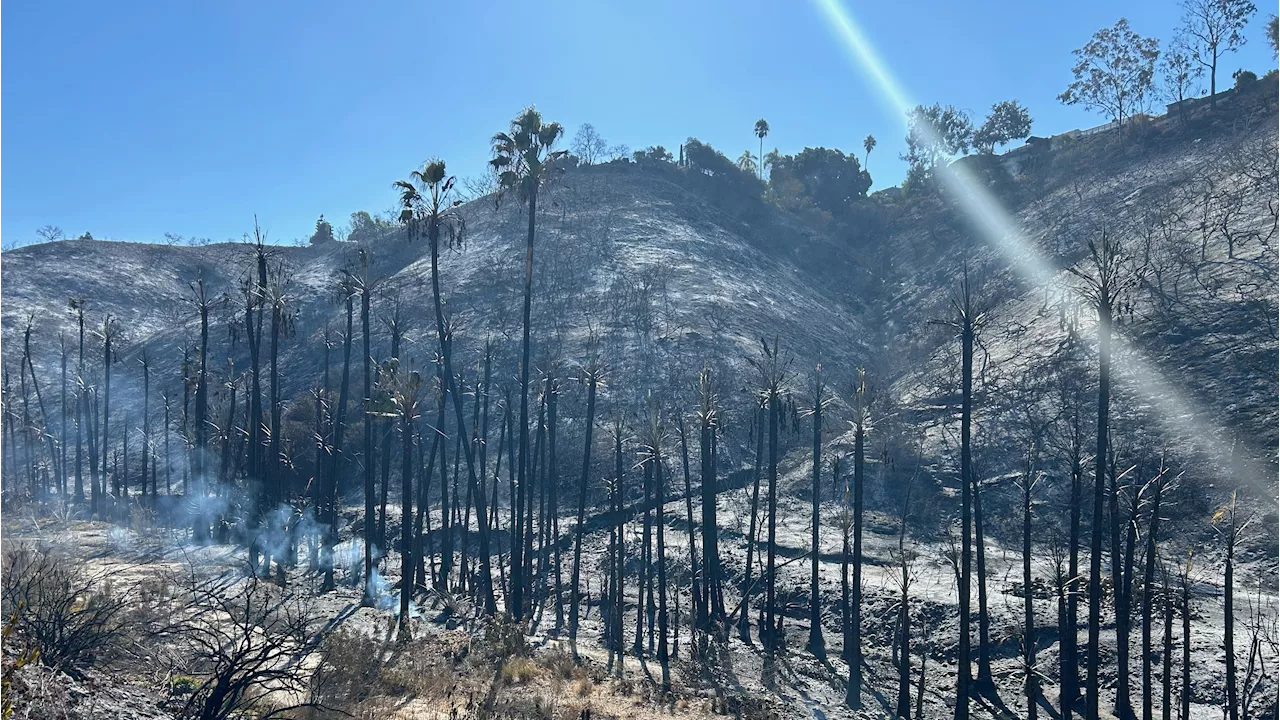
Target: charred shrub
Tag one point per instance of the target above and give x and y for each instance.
(71, 617)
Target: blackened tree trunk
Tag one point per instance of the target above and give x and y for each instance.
(619, 564)
(644, 588)
(517, 565)
(200, 527)
(694, 589)
(1228, 611)
(339, 428)
(967, 332)
(82, 405)
(986, 684)
(553, 505)
(62, 417)
(1185, 694)
(1121, 572)
(713, 603)
(853, 689)
(108, 331)
(659, 523)
(146, 417)
(1030, 685)
(1099, 490)
(817, 645)
(1069, 670)
(1166, 677)
(744, 620)
(575, 602)
(367, 405)
(771, 587)
(1103, 287)
(1148, 591)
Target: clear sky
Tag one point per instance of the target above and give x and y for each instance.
(129, 119)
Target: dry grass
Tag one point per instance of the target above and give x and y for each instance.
(521, 670)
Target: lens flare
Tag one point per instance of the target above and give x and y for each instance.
(997, 227)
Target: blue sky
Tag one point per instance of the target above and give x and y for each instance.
(132, 119)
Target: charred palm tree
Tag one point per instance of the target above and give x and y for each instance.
(708, 424)
(861, 426)
(774, 378)
(817, 645)
(654, 474)
(200, 520)
(402, 399)
(523, 161)
(347, 291)
(427, 204)
(592, 375)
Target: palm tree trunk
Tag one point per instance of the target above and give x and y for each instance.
(659, 522)
(770, 563)
(853, 689)
(695, 591)
(576, 600)
(744, 621)
(517, 580)
(816, 644)
(339, 427)
(369, 489)
(406, 518)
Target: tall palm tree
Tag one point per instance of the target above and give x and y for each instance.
(523, 160)
(762, 129)
(868, 144)
(426, 201)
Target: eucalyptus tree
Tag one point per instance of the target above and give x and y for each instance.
(1213, 28)
(523, 160)
(427, 204)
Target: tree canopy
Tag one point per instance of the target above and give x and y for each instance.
(1007, 122)
(323, 233)
(935, 135)
(1273, 34)
(1114, 72)
(828, 177)
(1212, 28)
